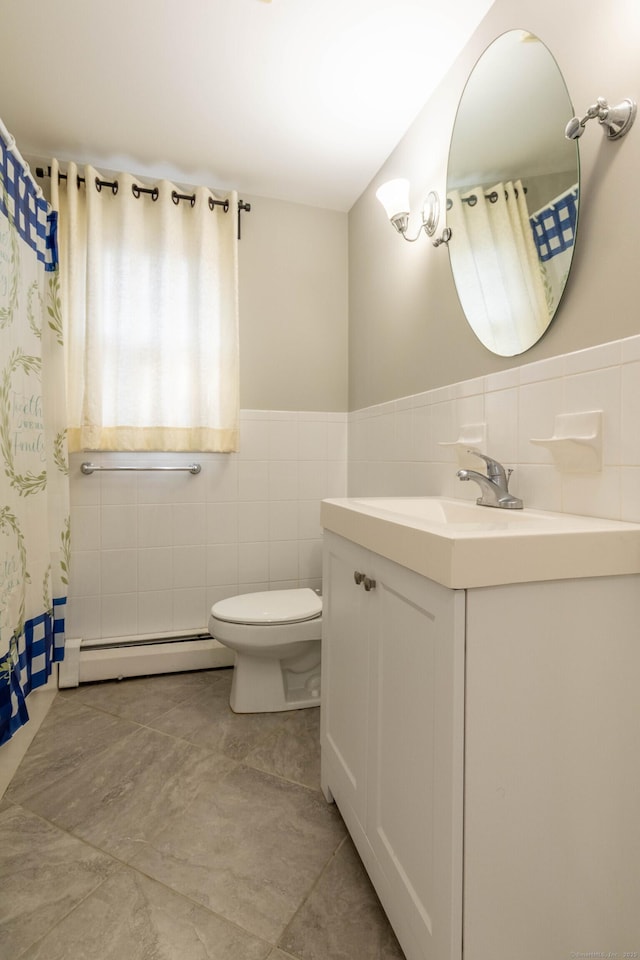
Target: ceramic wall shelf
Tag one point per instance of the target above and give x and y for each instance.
(471, 435)
(576, 444)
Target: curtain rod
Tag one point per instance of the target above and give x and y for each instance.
(491, 197)
(152, 191)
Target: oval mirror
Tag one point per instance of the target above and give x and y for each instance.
(512, 193)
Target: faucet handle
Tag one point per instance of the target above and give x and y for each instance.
(483, 456)
(494, 468)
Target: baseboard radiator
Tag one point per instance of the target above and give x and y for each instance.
(113, 658)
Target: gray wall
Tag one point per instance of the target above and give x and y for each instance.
(293, 307)
(407, 333)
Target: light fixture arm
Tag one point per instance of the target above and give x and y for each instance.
(430, 217)
(616, 120)
(443, 238)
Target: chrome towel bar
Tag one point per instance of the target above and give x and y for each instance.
(89, 468)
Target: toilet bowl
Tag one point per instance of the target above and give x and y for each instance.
(276, 639)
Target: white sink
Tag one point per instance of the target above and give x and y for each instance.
(441, 510)
(460, 544)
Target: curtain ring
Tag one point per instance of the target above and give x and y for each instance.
(177, 197)
(107, 183)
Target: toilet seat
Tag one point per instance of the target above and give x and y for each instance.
(269, 607)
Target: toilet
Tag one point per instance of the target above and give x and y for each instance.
(276, 637)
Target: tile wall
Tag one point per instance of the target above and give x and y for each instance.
(394, 447)
(151, 552)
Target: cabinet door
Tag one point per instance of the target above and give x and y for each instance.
(414, 816)
(345, 679)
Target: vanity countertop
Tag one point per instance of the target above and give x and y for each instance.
(460, 544)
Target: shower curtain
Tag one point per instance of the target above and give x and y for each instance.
(496, 266)
(34, 488)
(554, 230)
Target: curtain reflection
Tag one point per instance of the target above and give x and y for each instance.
(496, 266)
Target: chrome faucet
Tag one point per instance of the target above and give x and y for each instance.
(494, 486)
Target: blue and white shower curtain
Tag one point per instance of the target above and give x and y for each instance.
(554, 233)
(34, 486)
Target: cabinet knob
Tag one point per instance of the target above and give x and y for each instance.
(369, 584)
(358, 577)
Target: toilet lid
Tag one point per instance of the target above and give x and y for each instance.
(270, 606)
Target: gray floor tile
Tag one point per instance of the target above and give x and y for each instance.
(44, 873)
(143, 698)
(249, 847)
(133, 918)
(342, 919)
(70, 734)
(219, 815)
(291, 750)
(208, 721)
(122, 797)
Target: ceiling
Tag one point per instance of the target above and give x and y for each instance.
(299, 100)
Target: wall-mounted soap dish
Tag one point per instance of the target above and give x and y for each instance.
(576, 444)
(471, 435)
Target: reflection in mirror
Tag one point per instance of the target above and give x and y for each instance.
(512, 193)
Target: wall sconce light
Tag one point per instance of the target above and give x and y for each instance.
(617, 120)
(394, 197)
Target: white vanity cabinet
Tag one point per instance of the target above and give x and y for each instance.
(483, 744)
(392, 737)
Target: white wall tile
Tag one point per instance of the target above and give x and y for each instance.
(593, 494)
(189, 523)
(310, 560)
(309, 520)
(83, 618)
(120, 619)
(118, 487)
(189, 566)
(155, 568)
(221, 479)
(283, 560)
(189, 609)
(337, 439)
(312, 479)
(253, 521)
(118, 526)
(538, 404)
(119, 571)
(501, 414)
(222, 564)
(630, 414)
(155, 525)
(283, 520)
(630, 494)
(283, 480)
(283, 439)
(253, 480)
(254, 440)
(253, 562)
(222, 522)
(85, 527)
(598, 390)
(84, 580)
(155, 611)
(313, 440)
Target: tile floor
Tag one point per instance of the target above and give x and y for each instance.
(149, 822)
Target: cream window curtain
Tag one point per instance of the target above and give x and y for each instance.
(497, 267)
(149, 299)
